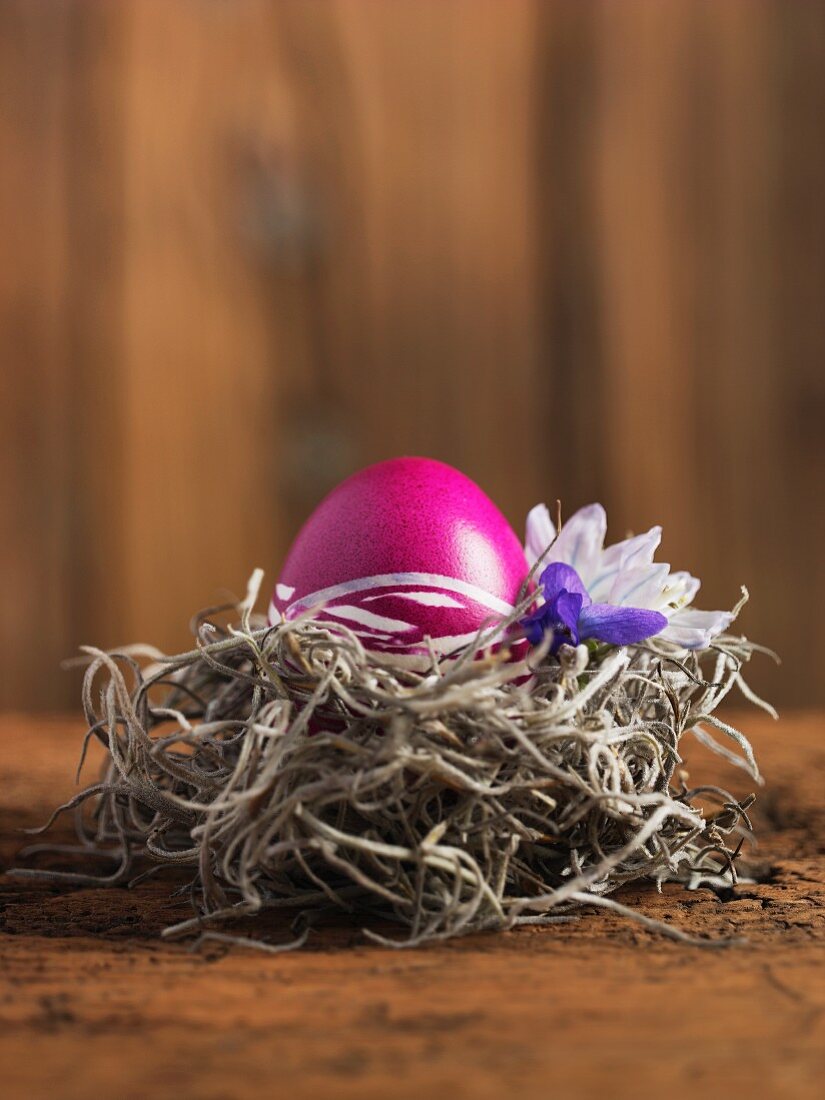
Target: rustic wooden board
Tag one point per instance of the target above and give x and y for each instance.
(93, 1003)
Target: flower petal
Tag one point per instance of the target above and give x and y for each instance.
(629, 554)
(694, 629)
(540, 533)
(558, 577)
(619, 625)
(640, 587)
(636, 550)
(565, 611)
(581, 540)
(537, 624)
(678, 592)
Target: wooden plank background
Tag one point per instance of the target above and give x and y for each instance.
(577, 249)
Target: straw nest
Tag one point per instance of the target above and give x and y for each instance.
(286, 767)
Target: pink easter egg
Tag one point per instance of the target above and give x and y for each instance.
(401, 551)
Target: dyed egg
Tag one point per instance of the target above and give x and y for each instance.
(401, 551)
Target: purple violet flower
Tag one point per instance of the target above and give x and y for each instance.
(569, 612)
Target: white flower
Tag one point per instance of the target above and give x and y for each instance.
(624, 574)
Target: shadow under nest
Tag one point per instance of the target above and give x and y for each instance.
(287, 767)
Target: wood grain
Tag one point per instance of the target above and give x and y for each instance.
(576, 249)
(92, 1002)
(34, 425)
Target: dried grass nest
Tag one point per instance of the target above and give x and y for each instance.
(286, 767)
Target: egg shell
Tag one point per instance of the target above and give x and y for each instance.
(404, 550)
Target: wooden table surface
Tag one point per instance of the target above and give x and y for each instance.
(93, 1003)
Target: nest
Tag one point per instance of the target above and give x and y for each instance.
(286, 767)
